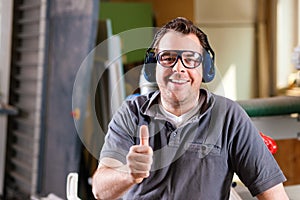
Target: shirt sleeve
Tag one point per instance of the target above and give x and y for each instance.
(252, 160)
(120, 135)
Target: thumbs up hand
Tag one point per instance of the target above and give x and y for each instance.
(139, 157)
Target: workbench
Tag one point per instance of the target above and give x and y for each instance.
(279, 118)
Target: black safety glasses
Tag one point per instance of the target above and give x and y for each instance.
(189, 59)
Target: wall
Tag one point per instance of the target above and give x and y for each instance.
(126, 17)
(166, 10)
(230, 26)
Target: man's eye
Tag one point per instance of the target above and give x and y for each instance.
(189, 59)
(168, 58)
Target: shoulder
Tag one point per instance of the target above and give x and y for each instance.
(227, 105)
(138, 102)
(232, 115)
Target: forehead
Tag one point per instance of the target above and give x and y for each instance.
(178, 41)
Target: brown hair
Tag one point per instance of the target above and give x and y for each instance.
(184, 26)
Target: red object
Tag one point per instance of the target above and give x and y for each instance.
(271, 144)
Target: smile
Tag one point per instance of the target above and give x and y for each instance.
(179, 81)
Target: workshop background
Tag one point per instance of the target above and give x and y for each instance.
(56, 89)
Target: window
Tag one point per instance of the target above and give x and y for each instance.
(287, 39)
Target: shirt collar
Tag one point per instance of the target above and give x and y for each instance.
(151, 106)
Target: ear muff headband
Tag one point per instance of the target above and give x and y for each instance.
(207, 64)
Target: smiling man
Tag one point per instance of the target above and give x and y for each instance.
(179, 74)
(182, 141)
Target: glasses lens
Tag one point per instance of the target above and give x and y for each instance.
(167, 58)
(191, 59)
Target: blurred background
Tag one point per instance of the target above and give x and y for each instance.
(58, 91)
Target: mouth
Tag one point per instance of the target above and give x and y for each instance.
(179, 81)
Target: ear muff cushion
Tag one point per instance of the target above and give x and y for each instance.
(149, 66)
(208, 68)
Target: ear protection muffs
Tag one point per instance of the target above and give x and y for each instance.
(150, 65)
(207, 64)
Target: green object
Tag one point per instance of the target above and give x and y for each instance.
(126, 18)
(281, 105)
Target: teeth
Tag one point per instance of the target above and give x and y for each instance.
(179, 81)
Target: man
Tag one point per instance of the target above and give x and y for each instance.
(182, 141)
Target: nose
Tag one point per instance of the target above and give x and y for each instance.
(179, 67)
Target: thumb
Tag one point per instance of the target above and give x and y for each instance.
(144, 135)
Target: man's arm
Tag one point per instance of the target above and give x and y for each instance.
(112, 178)
(111, 182)
(274, 193)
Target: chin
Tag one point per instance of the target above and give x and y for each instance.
(180, 96)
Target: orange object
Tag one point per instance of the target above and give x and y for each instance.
(76, 113)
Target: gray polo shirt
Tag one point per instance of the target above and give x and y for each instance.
(196, 160)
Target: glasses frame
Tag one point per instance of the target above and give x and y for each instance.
(179, 55)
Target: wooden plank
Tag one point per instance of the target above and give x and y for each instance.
(288, 158)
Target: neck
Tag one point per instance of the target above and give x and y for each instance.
(178, 108)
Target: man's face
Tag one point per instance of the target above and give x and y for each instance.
(179, 84)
